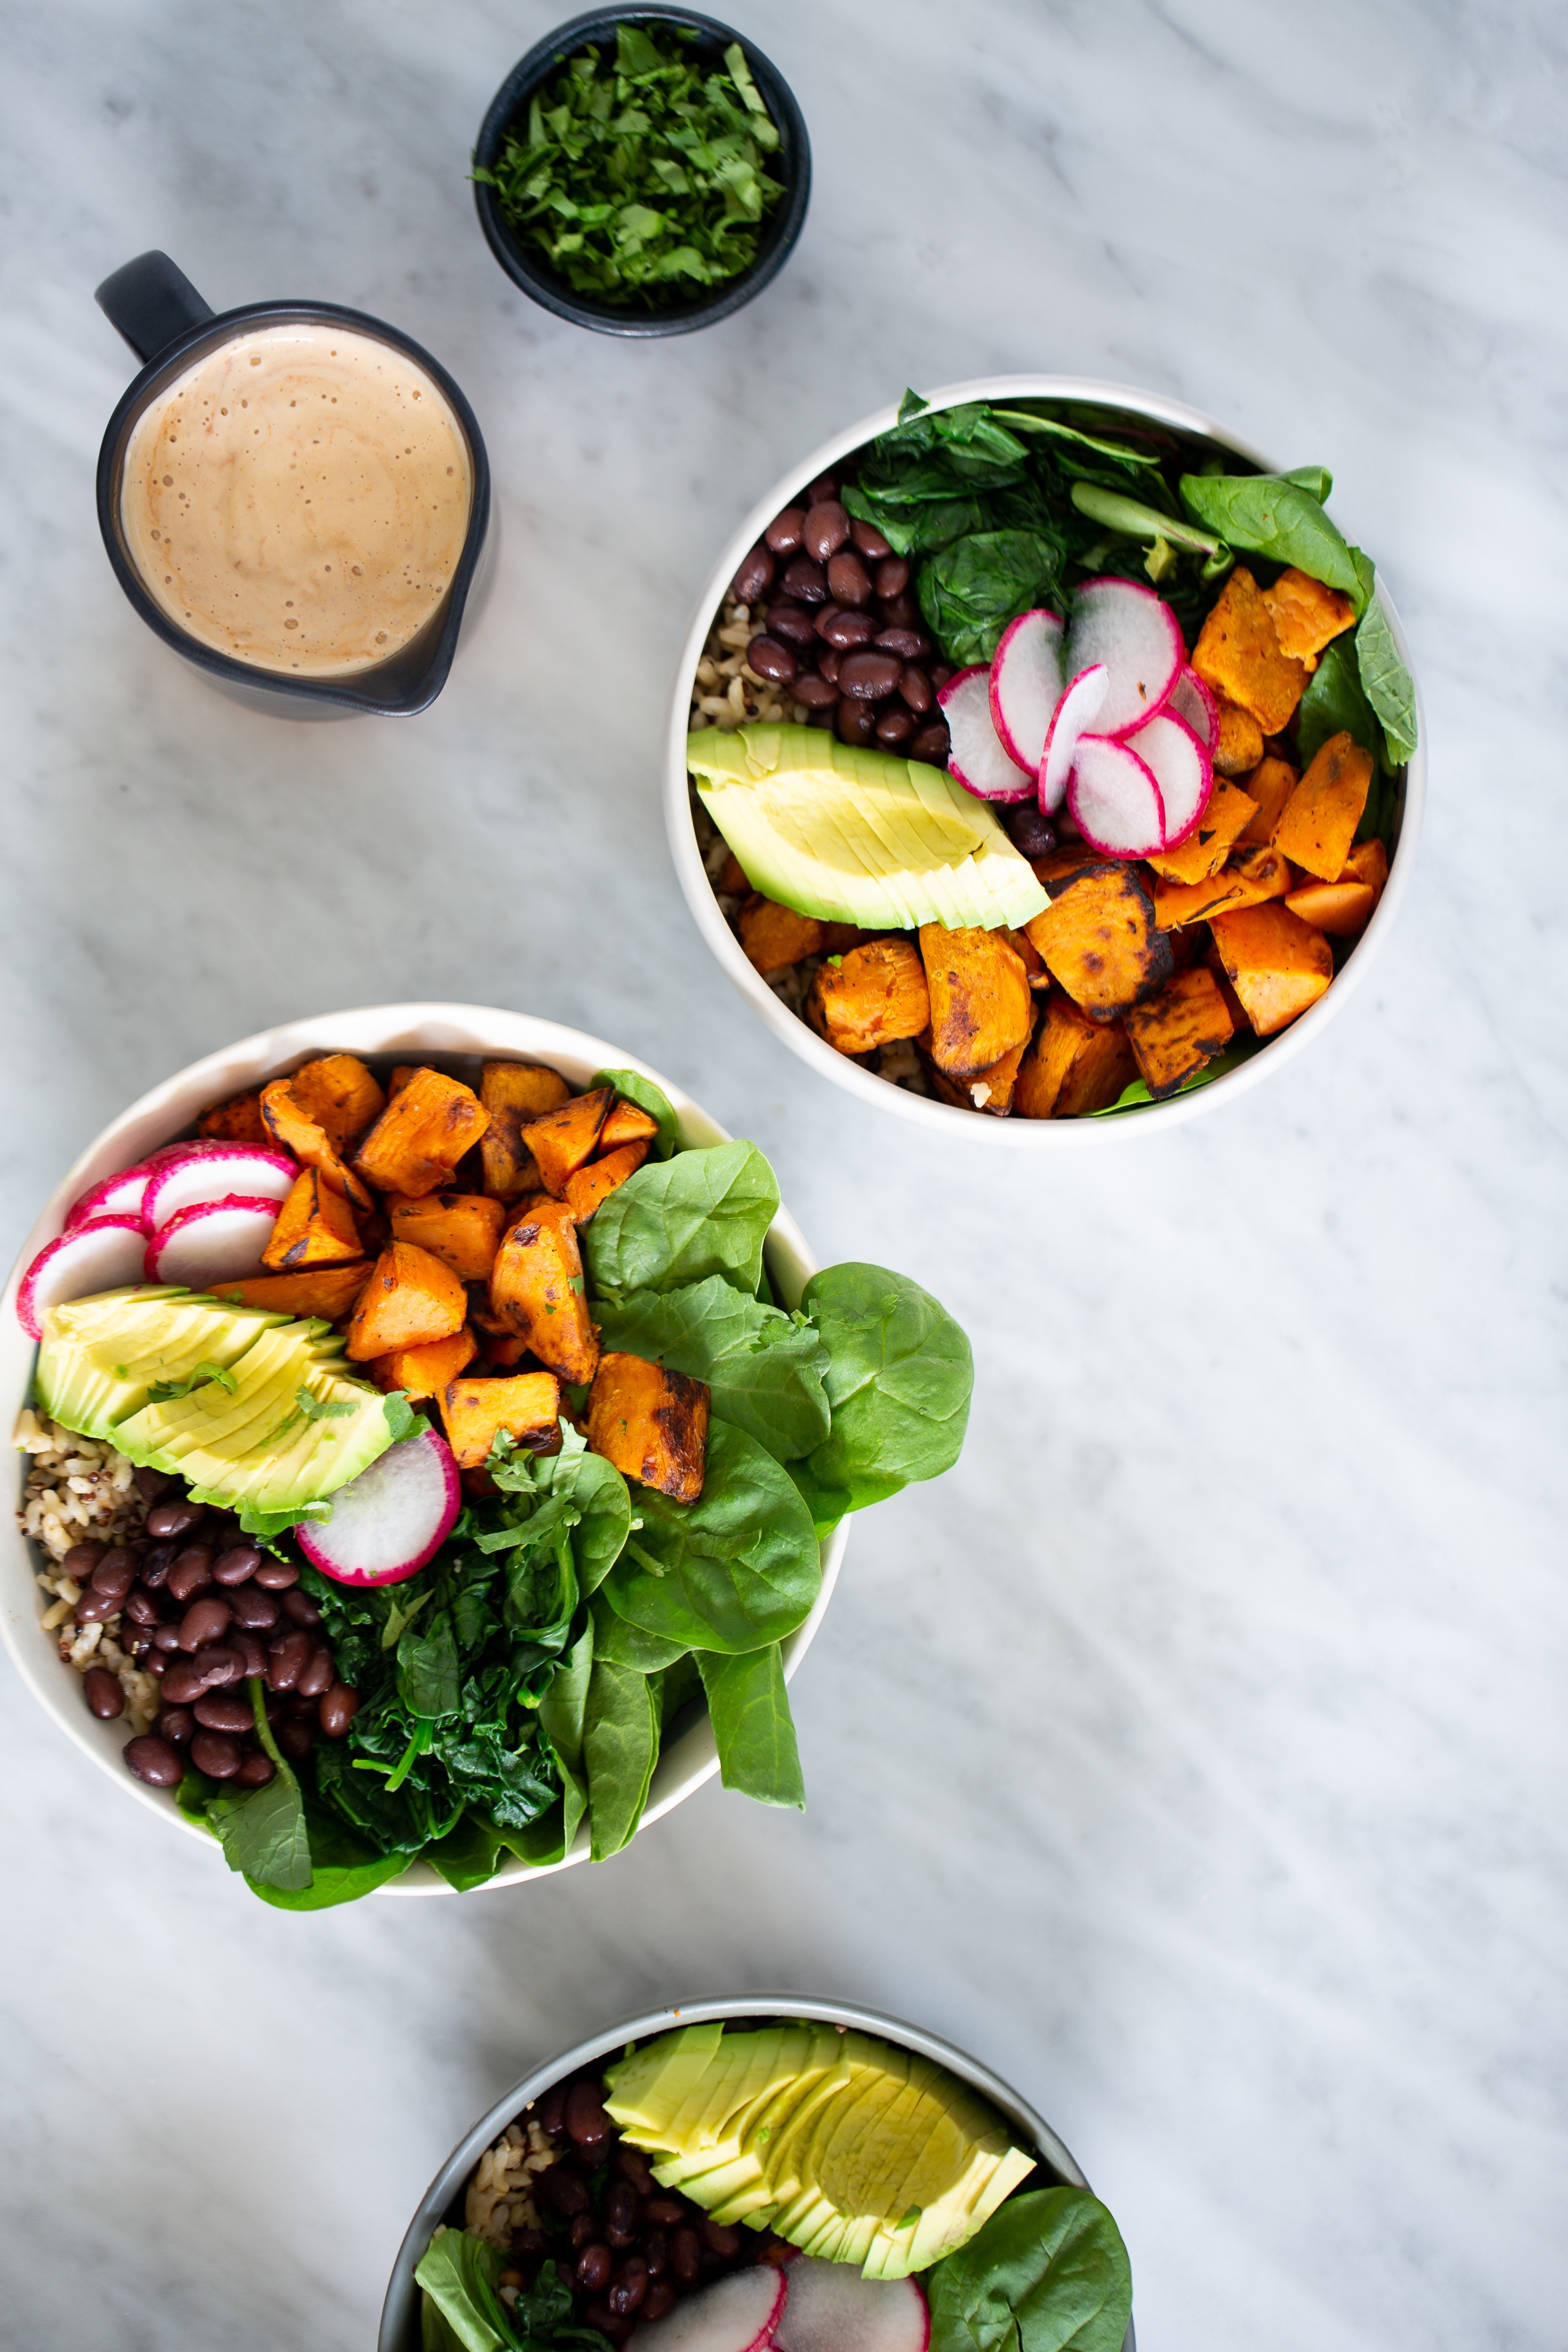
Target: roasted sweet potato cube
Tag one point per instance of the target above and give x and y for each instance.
(732, 882)
(462, 1229)
(1278, 964)
(992, 1090)
(1246, 879)
(328, 1291)
(315, 1227)
(1178, 1031)
(238, 1120)
(628, 1123)
(421, 1135)
(590, 1185)
(875, 995)
(1065, 864)
(1270, 784)
(1343, 907)
(425, 1371)
(526, 1406)
(402, 1073)
(1323, 811)
(1099, 940)
(501, 1350)
(651, 1423)
(1063, 1031)
(1239, 739)
(1237, 654)
(1205, 848)
(410, 1299)
(564, 1141)
(289, 1124)
(1101, 1071)
(981, 1008)
(775, 937)
(513, 1093)
(340, 1094)
(1306, 616)
(1029, 956)
(536, 1289)
(1368, 862)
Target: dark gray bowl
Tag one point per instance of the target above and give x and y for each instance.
(779, 232)
(442, 2202)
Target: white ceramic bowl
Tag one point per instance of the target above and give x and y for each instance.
(1019, 1134)
(406, 1030)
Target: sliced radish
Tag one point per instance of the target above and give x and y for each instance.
(212, 1241)
(1073, 715)
(1026, 681)
(1191, 700)
(1136, 635)
(386, 1523)
(121, 1195)
(105, 1254)
(1114, 800)
(214, 1172)
(831, 2308)
(978, 759)
(736, 2314)
(1180, 766)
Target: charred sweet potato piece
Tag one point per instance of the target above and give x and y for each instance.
(1239, 739)
(1343, 907)
(1270, 784)
(315, 1227)
(238, 1120)
(1306, 616)
(526, 1406)
(1237, 654)
(1204, 850)
(1368, 862)
(652, 1424)
(1099, 940)
(500, 1351)
(992, 1090)
(981, 1009)
(564, 1141)
(328, 1291)
(289, 1124)
(775, 937)
(628, 1123)
(402, 1073)
(1103, 1069)
(513, 1093)
(340, 1094)
(424, 1371)
(1278, 964)
(1065, 864)
(536, 1289)
(1062, 1033)
(462, 1229)
(876, 995)
(590, 1185)
(1323, 811)
(1178, 1031)
(1246, 879)
(410, 1299)
(1029, 956)
(421, 1135)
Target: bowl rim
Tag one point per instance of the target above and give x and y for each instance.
(780, 232)
(692, 1758)
(399, 2308)
(938, 1117)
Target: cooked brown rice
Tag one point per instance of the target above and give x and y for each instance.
(77, 1489)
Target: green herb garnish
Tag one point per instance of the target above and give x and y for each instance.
(205, 1376)
(642, 180)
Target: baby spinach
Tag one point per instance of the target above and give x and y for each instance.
(900, 1376)
(263, 1833)
(563, 1712)
(971, 590)
(459, 2278)
(754, 1731)
(765, 1368)
(1389, 687)
(703, 1212)
(620, 1749)
(1047, 2272)
(1334, 704)
(1273, 515)
(649, 1098)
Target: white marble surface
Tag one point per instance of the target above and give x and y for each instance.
(1194, 1753)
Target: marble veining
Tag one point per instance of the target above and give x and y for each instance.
(1194, 1753)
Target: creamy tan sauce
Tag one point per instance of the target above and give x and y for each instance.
(299, 499)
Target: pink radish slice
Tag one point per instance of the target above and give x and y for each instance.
(1073, 715)
(1026, 681)
(122, 1195)
(212, 1241)
(1114, 800)
(392, 1519)
(1136, 637)
(213, 1172)
(105, 1254)
(979, 760)
(1191, 700)
(831, 2308)
(736, 2314)
(1181, 768)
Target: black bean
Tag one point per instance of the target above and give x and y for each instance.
(339, 1706)
(583, 2232)
(910, 644)
(225, 1710)
(721, 2238)
(892, 577)
(827, 663)
(116, 1572)
(218, 1665)
(175, 1519)
(182, 1681)
(255, 1769)
(216, 1754)
(817, 693)
(845, 629)
(252, 1607)
(552, 2109)
(94, 1607)
(869, 540)
(236, 1563)
(1029, 829)
(931, 744)
(664, 2212)
(154, 1568)
(296, 1738)
(175, 1724)
(251, 1647)
(632, 2165)
(849, 579)
(102, 1693)
(190, 1573)
(895, 726)
(856, 721)
(151, 1484)
(685, 2254)
(620, 2207)
(153, 1759)
(756, 576)
(277, 1575)
(656, 2251)
(301, 1609)
(608, 2323)
(205, 1620)
(594, 2264)
(563, 2190)
(900, 612)
(662, 2296)
(940, 674)
(167, 1636)
(81, 1560)
(824, 488)
(629, 2286)
(790, 624)
(915, 687)
(825, 528)
(140, 1607)
(805, 582)
(869, 676)
(782, 534)
(317, 1674)
(772, 658)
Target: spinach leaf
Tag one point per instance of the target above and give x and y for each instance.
(733, 1572)
(970, 590)
(765, 1368)
(1334, 704)
(428, 1679)
(582, 1493)
(469, 1854)
(1273, 516)
(343, 1868)
(623, 1644)
(1121, 452)
(562, 1714)
(263, 1833)
(900, 1376)
(1316, 481)
(459, 2275)
(704, 1212)
(646, 1096)
(1134, 520)
(1388, 685)
(1047, 2272)
(620, 1749)
(748, 1705)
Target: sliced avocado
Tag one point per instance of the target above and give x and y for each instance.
(858, 836)
(101, 1356)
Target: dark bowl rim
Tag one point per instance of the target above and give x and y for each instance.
(781, 233)
(437, 639)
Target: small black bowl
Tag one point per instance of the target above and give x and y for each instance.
(777, 240)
